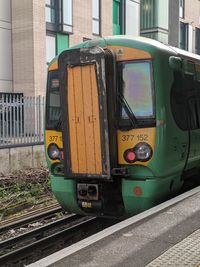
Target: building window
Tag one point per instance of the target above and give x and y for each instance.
(50, 11)
(126, 17)
(183, 41)
(190, 38)
(50, 47)
(66, 20)
(181, 8)
(148, 15)
(96, 17)
(58, 15)
(116, 17)
(132, 17)
(197, 41)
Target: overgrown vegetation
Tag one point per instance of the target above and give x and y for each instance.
(24, 189)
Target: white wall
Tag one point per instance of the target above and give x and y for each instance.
(5, 47)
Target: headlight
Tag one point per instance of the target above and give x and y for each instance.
(53, 151)
(143, 151)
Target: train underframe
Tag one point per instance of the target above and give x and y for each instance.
(119, 198)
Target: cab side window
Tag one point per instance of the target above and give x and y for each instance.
(185, 101)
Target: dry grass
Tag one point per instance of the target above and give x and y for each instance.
(23, 190)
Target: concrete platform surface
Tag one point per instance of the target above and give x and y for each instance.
(155, 237)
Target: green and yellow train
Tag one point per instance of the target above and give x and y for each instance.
(122, 124)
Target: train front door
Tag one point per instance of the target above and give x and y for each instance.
(86, 113)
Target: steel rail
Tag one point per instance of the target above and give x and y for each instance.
(36, 233)
(29, 217)
(71, 234)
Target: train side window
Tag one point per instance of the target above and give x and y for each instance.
(185, 101)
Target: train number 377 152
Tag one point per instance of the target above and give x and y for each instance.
(131, 137)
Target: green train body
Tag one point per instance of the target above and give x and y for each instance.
(122, 124)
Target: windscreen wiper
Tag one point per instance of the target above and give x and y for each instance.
(59, 123)
(128, 110)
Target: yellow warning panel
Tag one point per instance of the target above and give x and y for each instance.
(129, 139)
(84, 122)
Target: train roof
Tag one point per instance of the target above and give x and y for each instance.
(186, 54)
(137, 42)
(157, 45)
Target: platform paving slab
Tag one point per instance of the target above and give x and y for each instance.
(185, 253)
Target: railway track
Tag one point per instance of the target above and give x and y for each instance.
(45, 240)
(30, 217)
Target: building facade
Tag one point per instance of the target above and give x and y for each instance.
(28, 46)
(5, 47)
(174, 22)
(189, 14)
(32, 32)
(126, 17)
(69, 22)
(160, 20)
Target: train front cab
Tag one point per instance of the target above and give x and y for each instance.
(100, 159)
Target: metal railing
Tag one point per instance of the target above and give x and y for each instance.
(21, 120)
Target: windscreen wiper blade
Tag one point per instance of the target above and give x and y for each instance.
(59, 124)
(128, 110)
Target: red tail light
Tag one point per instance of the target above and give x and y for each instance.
(129, 155)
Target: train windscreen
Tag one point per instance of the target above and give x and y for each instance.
(137, 90)
(53, 109)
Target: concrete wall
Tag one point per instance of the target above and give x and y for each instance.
(19, 158)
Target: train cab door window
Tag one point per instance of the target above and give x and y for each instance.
(53, 108)
(137, 90)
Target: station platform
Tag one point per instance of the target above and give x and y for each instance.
(167, 235)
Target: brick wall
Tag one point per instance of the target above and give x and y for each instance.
(28, 36)
(29, 39)
(82, 20)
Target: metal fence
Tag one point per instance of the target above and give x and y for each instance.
(21, 120)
